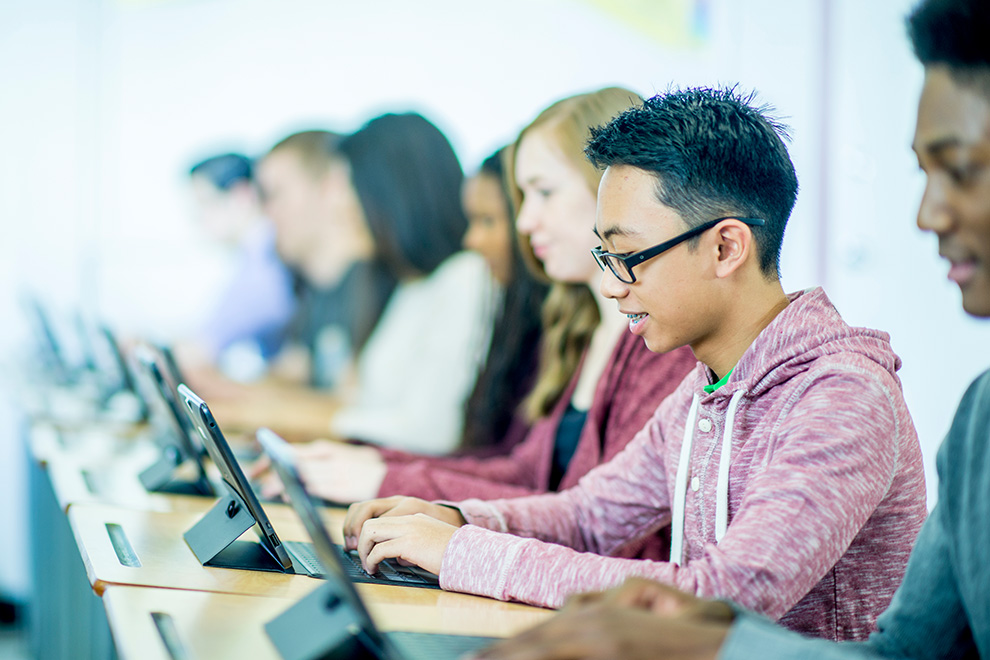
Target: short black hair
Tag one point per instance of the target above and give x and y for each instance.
(225, 170)
(956, 34)
(408, 180)
(713, 153)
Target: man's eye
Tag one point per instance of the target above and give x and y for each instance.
(964, 175)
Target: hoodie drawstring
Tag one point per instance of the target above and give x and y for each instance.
(680, 488)
(721, 486)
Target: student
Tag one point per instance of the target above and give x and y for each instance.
(342, 289)
(941, 609)
(492, 424)
(587, 403)
(393, 200)
(258, 302)
(400, 182)
(786, 462)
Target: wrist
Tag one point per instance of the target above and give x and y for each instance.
(453, 515)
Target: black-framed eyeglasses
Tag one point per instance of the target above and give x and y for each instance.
(621, 265)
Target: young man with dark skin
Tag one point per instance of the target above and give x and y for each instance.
(942, 608)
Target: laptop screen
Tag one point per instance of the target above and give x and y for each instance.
(231, 473)
(327, 551)
(165, 410)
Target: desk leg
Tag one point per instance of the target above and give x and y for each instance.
(67, 620)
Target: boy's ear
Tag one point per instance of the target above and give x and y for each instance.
(735, 244)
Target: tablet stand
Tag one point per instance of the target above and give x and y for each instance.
(321, 626)
(221, 526)
(161, 471)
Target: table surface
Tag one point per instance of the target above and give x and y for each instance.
(216, 612)
(221, 626)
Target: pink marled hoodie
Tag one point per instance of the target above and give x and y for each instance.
(826, 490)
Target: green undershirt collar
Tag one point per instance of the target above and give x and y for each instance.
(711, 388)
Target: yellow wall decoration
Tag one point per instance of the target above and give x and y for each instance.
(672, 23)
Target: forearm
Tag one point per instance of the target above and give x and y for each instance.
(752, 635)
(442, 479)
(507, 567)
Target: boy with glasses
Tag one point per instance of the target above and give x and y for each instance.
(786, 463)
(942, 609)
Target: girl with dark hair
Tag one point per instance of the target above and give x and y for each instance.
(492, 421)
(401, 182)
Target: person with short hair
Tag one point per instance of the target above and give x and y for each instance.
(258, 301)
(342, 289)
(786, 462)
(942, 608)
(596, 383)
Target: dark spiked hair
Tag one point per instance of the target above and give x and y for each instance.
(714, 153)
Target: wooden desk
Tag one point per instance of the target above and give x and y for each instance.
(296, 413)
(96, 466)
(73, 483)
(221, 626)
(165, 559)
(207, 625)
(49, 439)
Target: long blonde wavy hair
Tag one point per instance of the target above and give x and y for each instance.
(570, 313)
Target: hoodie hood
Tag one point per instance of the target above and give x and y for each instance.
(807, 329)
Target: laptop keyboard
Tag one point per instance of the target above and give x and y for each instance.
(429, 646)
(388, 571)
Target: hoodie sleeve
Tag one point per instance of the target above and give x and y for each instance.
(457, 477)
(618, 501)
(793, 511)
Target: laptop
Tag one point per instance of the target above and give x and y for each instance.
(332, 622)
(50, 350)
(119, 377)
(173, 433)
(214, 538)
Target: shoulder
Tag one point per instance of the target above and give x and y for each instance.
(462, 279)
(460, 266)
(844, 376)
(968, 434)
(977, 396)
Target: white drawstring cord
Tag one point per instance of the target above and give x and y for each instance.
(722, 485)
(680, 488)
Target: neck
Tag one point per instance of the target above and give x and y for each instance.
(250, 227)
(326, 267)
(738, 326)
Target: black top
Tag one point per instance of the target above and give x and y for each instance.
(568, 434)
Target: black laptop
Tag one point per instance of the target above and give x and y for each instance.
(332, 622)
(214, 538)
(172, 432)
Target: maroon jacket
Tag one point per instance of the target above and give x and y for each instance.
(633, 384)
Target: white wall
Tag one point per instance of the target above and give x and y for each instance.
(104, 104)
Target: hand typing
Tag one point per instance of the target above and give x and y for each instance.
(404, 528)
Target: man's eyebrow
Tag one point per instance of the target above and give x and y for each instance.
(609, 232)
(937, 146)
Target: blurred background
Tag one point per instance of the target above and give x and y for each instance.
(105, 104)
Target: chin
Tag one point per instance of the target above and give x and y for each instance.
(657, 345)
(978, 306)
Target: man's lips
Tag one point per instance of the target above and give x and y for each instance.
(961, 272)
